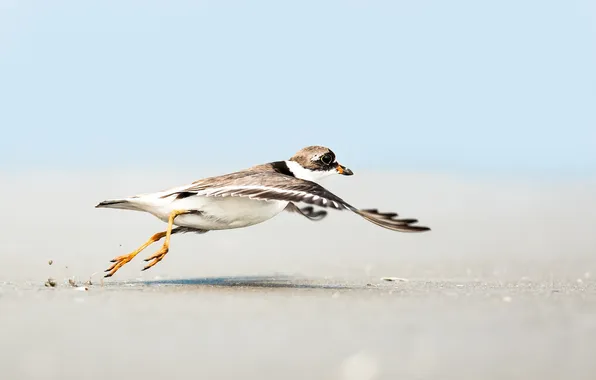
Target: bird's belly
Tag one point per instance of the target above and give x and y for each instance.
(223, 213)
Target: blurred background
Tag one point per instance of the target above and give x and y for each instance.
(459, 87)
(477, 118)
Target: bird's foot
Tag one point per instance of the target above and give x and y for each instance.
(118, 263)
(156, 257)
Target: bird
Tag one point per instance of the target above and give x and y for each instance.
(248, 197)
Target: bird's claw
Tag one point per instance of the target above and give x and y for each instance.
(155, 258)
(118, 263)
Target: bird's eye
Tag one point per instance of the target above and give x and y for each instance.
(327, 159)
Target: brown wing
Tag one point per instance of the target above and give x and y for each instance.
(275, 186)
(265, 186)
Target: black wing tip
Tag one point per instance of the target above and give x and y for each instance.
(388, 220)
(417, 228)
(408, 227)
(384, 214)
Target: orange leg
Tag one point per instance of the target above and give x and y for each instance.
(159, 255)
(121, 260)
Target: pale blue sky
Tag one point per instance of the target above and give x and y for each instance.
(451, 86)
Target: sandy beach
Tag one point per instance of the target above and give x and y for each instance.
(503, 287)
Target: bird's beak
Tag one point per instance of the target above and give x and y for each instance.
(343, 170)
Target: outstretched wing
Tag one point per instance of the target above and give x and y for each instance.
(274, 186)
(389, 220)
(264, 186)
(307, 211)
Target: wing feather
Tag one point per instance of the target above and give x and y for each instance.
(270, 186)
(307, 211)
(275, 186)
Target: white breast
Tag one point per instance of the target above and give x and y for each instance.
(218, 213)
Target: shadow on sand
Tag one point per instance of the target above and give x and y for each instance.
(272, 282)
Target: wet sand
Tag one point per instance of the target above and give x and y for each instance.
(503, 287)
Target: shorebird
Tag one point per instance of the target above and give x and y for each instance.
(248, 197)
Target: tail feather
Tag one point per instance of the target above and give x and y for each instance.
(124, 204)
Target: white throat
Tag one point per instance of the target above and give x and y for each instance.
(306, 174)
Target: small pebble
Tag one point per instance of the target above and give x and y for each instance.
(72, 282)
(394, 279)
(50, 282)
(50, 262)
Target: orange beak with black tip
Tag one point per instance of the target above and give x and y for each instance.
(343, 170)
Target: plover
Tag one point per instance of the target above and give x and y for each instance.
(246, 198)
